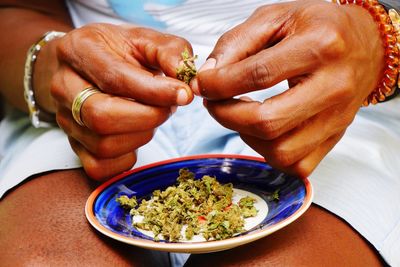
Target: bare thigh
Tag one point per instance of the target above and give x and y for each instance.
(43, 224)
(318, 238)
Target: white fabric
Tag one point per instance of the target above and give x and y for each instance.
(359, 180)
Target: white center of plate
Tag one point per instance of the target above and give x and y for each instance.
(249, 223)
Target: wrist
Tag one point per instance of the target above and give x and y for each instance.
(39, 117)
(45, 67)
(389, 76)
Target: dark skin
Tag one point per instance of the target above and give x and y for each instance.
(136, 95)
(43, 223)
(136, 57)
(326, 56)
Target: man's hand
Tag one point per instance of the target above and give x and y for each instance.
(332, 57)
(135, 68)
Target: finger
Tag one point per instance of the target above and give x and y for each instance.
(296, 144)
(101, 169)
(106, 114)
(260, 71)
(281, 113)
(102, 146)
(159, 50)
(304, 166)
(237, 44)
(114, 74)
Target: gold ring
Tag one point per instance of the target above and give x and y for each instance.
(78, 103)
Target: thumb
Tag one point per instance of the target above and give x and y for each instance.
(261, 30)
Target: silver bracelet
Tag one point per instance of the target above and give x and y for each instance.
(39, 118)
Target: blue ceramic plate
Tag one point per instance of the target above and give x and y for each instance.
(249, 176)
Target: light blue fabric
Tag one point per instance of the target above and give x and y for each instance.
(134, 11)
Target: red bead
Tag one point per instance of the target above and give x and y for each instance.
(384, 89)
(387, 89)
(379, 9)
(390, 39)
(386, 28)
(381, 96)
(392, 60)
(392, 72)
(391, 77)
(394, 49)
(366, 4)
(390, 81)
(373, 99)
(382, 18)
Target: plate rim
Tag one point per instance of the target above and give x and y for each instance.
(199, 247)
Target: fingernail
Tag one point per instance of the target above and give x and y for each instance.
(209, 64)
(173, 109)
(194, 84)
(182, 97)
(245, 98)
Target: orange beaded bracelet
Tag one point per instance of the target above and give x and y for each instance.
(388, 29)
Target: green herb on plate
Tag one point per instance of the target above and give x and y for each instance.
(193, 207)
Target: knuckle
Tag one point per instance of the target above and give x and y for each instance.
(63, 47)
(260, 11)
(97, 117)
(94, 169)
(227, 41)
(267, 124)
(345, 118)
(345, 86)
(63, 122)
(159, 117)
(227, 37)
(56, 90)
(331, 43)
(114, 80)
(146, 138)
(303, 170)
(131, 159)
(180, 42)
(261, 75)
(282, 156)
(105, 148)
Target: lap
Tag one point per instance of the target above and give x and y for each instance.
(43, 223)
(317, 238)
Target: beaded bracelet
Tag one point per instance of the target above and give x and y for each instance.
(388, 84)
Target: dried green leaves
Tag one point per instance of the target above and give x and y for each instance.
(187, 71)
(191, 207)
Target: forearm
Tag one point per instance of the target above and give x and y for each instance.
(21, 26)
